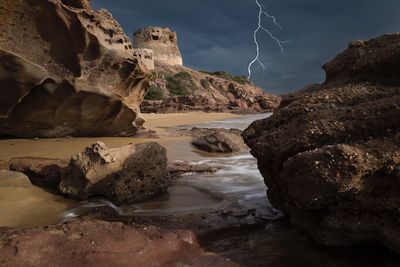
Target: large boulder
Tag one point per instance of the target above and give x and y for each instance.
(66, 69)
(127, 174)
(98, 243)
(330, 155)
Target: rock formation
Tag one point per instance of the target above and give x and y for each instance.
(98, 243)
(66, 69)
(221, 141)
(128, 174)
(42, 172)
(177, 89)
(330, 154)
(162, 41)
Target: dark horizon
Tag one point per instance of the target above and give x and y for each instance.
(218, 35)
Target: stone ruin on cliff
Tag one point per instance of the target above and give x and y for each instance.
(161, 41)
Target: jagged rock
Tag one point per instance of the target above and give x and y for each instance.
(178, 88)
(128, 174)
(221, 141)
(99, 243)
(43, 172)
(66, 70)
(330, 155)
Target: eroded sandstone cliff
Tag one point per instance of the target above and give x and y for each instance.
(66, 69)
(330, 154)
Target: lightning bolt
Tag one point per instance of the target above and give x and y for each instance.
(260, 27)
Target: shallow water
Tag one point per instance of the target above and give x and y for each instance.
(237, 184)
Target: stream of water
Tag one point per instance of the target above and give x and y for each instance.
(238, 183)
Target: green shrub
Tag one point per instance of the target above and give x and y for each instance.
(180, 84)
(205, 83)
(154, 93)
(228, 76)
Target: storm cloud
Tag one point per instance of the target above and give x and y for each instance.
(218, 34)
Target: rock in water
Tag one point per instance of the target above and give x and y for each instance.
(66, 69)
(220, 141)
(330, 154)
(43, 172)
(127, 174)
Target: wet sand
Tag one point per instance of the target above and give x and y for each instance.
(160, 122)
(24, 205)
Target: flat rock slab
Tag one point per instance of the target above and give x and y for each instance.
(99, 243)
(43, 172)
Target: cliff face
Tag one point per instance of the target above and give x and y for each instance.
(177, 88)
(66, 70)
(330, 154)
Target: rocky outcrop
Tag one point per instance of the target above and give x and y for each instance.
(179, 89)
(128, 174)
(330, 154)
(42, 172)
(66, 69)
(98, 243)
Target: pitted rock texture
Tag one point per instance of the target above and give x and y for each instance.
(66, 69)
(330, 154)
(220, 141)
(127, 174)
(98, 243)
(180, 89)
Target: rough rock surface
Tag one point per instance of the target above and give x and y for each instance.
(330, 154)
(98, 243)
(178, 88)
(220, 142)
(128, 174)
(43, 172)
(182, 167)
(66, 69)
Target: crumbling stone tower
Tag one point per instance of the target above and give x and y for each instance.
(162, 41)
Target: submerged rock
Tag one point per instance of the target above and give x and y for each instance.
(66, 70)
(43, 172)
(330, 155)
(98, 243)
(128, 174)
(181, 167)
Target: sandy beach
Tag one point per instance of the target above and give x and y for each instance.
(63, 148)
(160, 122)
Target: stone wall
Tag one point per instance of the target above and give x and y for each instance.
(162, 41)
(146, 56)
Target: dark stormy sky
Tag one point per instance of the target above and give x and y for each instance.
(218, 34)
